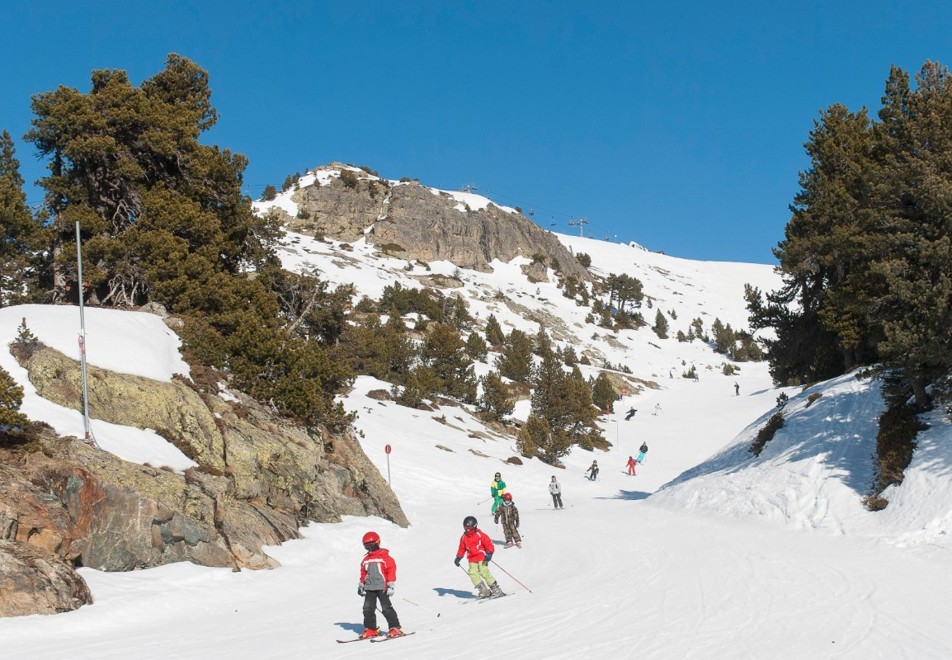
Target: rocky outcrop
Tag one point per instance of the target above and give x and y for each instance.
(259, 478)
(34, 581)
(416, 222)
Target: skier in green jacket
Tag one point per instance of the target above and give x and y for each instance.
(497, 489)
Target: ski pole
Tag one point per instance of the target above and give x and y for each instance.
(422, 606)
(484, 501)
(511, 575)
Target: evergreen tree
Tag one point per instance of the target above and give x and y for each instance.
(22, 238)
(515, 361)
(494, 334)
(11, 397)
(661, 325)
(269, 193)
(476, 347)
(444, 353)
(603, 392)
(495, 399)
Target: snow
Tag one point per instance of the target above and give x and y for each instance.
(708, 552)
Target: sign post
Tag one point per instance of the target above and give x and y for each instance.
(388, 449)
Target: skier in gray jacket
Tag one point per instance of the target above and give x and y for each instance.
(555, 489)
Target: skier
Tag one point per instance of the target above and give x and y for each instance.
(630, 414)
(593, 471)
(478, 548)
(378, 573)
(631, 466)
(510, 521)
(497, 488)
(555, 489)
(736, 388)
(657, 409)
(642, 450)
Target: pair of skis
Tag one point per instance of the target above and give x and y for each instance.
(378, 638)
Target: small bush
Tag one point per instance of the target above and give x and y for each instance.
(898, 427)
(584, 259)
(813, 397)
(348, 178)
(766, 434)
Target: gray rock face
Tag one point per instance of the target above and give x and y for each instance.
(260, 478)
(34, 581)
(415, 222)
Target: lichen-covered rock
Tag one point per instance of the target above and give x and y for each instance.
(35, 581)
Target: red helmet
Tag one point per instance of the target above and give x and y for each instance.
(371, 538)
(507, 497)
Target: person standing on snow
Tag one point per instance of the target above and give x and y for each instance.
(593, 471)
(736, 388)
(642, 450)
(555, 489)
(478, 548)
(510, 521)
(378, 574)
(497, 489)
(631, 466)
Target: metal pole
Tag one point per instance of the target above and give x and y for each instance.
(389, 483)
(88, 439)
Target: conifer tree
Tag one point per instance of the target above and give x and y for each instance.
(661, 325)
(515, 361)
(603, 392)
(495, 399)
(22, 238)
(494, 334)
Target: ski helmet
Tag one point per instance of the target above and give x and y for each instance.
(507, 497)
(371, 538)
(469, 521)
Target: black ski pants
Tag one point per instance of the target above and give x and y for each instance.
(557, 500)
(370, 609)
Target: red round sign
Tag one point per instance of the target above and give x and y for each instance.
(387, 449)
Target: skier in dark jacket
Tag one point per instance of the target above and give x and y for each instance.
(642, 450)
(631, 413)
(378, 574)
(593, 471)
(510, 521)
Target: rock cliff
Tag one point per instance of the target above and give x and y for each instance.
(412, 221)
(259, 478)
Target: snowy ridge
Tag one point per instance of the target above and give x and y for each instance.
(708, 552)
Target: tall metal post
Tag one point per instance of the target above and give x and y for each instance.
(88, 439)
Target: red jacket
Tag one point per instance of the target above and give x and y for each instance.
(377, 570)
(475, 545)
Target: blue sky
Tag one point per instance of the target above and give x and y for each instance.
(678, 125)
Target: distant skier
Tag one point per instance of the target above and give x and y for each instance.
(657, 409)
(631, 466)
(510, 521)
(378, 573)
(593, 471)
(497, 489)
(478, 548)
(642, 450)
(555, 489)
(736, 388)
(630, 414)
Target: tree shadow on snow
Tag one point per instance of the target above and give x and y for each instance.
(627, 495)
(458, 593)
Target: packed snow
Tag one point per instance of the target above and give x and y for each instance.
(708, 552)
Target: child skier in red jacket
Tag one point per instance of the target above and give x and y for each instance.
(478, 548)
(378, 573)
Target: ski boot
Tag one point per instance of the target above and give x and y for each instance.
(509, 544)
(369, 633)
(495, 590)
(519, 544)
(482, 591)
(395, 632)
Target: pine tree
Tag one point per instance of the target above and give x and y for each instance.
(22, 238)
(515, 361)
(494, 334)
(661, 325)
(11, 397)
(269, 193)
(603, 392)
(496, 399)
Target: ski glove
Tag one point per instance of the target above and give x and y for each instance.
(457, 560)
(360, 589)
(390, 589)
(489, 557)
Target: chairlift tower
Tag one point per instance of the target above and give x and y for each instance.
(580, 223)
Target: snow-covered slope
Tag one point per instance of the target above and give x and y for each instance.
(737, 557)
